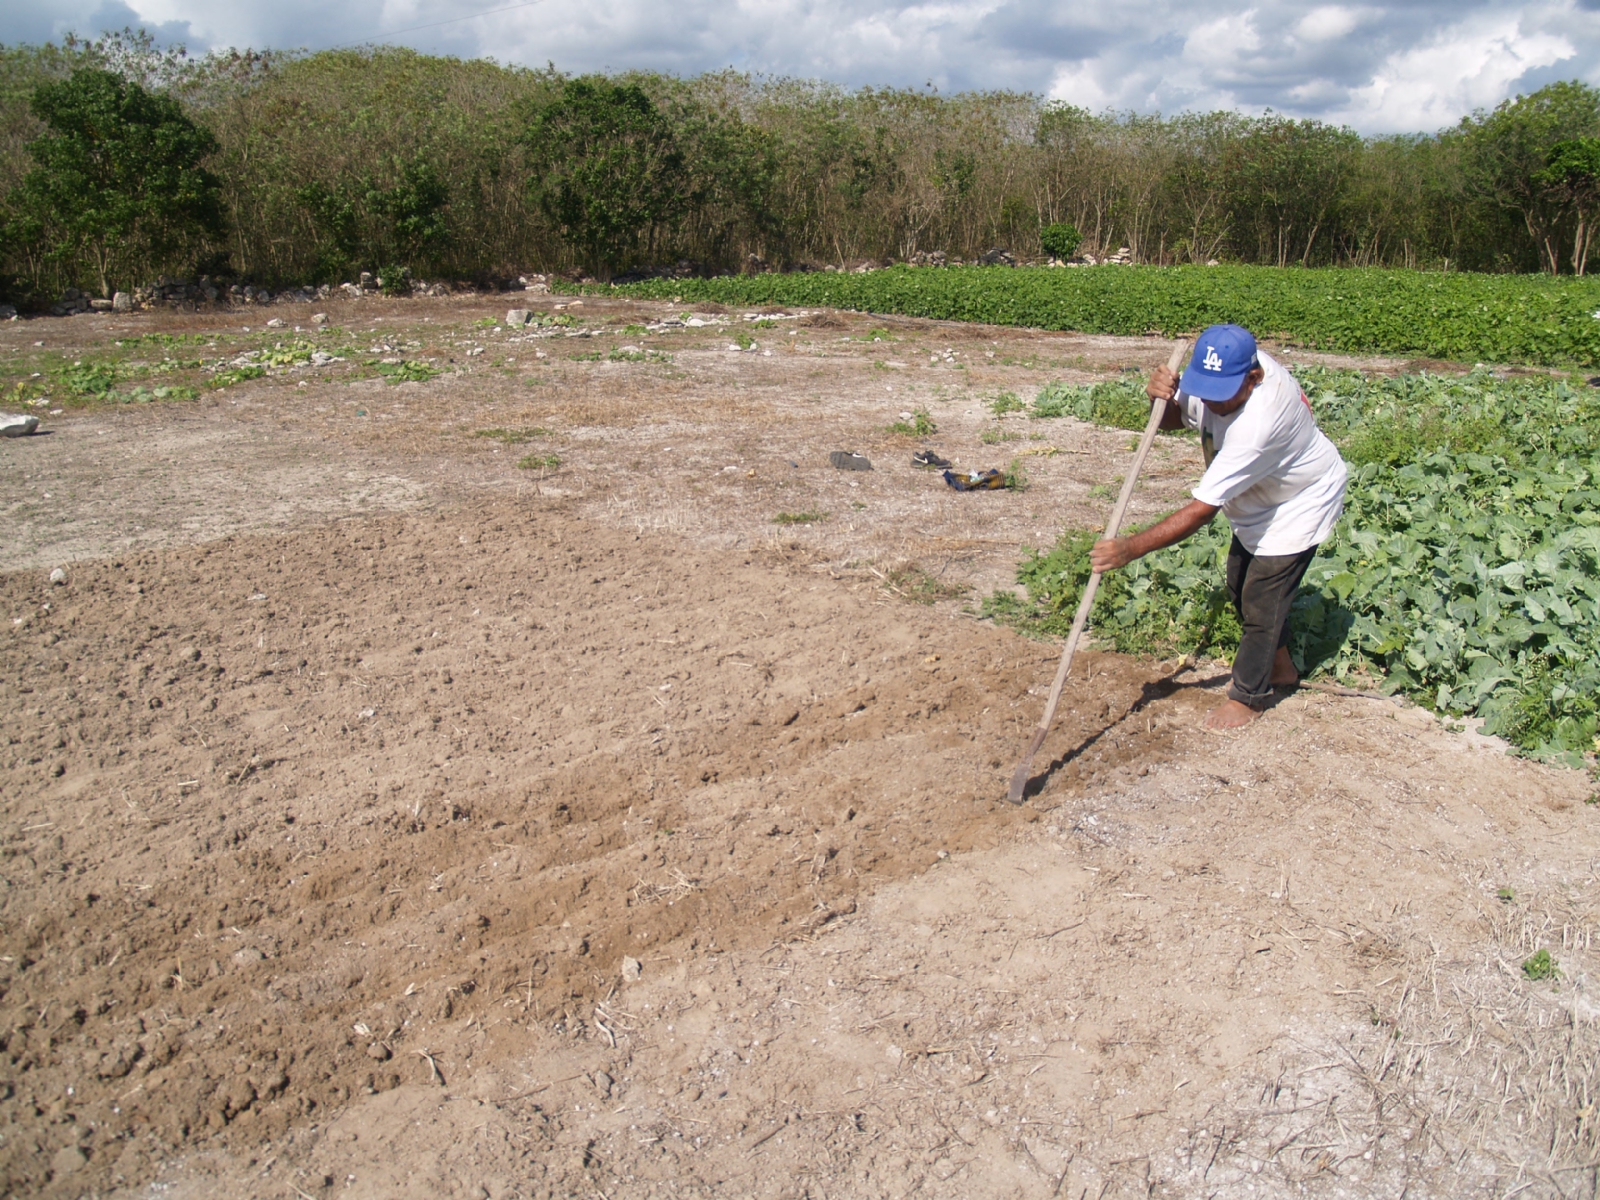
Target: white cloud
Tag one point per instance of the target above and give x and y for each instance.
(1076, 84)
(1326, 23)
(1220, 45)
(1471, 65)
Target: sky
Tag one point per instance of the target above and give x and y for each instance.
(1415, 66)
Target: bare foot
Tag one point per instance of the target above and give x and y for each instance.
(1230, 714)
(1283, 673)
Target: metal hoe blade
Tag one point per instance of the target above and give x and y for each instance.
(1019, 780)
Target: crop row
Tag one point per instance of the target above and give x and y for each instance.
(1451, 315)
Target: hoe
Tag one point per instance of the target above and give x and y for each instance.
(1019, 781)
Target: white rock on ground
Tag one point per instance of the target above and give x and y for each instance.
(17, 424)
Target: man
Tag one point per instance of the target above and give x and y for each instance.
(1276, 476)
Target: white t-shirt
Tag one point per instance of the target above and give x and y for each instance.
(1276, 476)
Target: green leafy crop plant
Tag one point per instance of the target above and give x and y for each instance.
(409, 371)
(1465, 571)
(1450, 315)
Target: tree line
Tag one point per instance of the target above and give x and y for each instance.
(120, 162)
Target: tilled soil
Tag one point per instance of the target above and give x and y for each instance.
(579, 831)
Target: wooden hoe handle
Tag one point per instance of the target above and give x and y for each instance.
(1019, 780)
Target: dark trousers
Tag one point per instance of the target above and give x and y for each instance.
(1262, 587)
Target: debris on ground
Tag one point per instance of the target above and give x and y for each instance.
(849, 460)
(976, 481)
(17, 424)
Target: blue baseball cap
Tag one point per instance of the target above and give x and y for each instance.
(1223, 356)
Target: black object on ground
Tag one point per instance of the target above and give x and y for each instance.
(849, 460)
(975, 481)
(927, 458)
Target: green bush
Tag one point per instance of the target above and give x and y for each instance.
(1060, 240)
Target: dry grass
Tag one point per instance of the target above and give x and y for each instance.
(1465, 1066)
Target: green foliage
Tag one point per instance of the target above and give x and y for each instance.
(512, 437)
(1060, 240)
(1540, 967)
(332, 162)
(1120, 403)
(1497, 318)
(94, 380)
(1510, 152)
(1171, 602)
(1571, 182)
(408, 371)
(539, 462)
(1465, 571)
(235, 375)
(1006, 402)
(398, 213)
(605, 169)
(920, 425)
(395, 280)
(118, 179)
(799, 518)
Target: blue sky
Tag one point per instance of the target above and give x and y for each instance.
(1381, 68)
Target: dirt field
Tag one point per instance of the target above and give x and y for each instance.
(379, 818)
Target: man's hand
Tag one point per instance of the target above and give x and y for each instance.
(1110, 553)
(1163, 384)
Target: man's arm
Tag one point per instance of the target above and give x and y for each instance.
(1110, 553)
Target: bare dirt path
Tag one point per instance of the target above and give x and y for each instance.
(379, 818)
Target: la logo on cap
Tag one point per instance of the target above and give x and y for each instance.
(1212, 361)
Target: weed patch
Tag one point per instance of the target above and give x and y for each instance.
(233, 375)
(920, 425)
(89, 380)
(810, 516)
(1540, 967)
(512, 437)
(911, 582)
(408, 371)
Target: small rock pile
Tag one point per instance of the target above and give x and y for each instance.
(1122, 257)
(182, 293)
